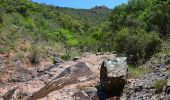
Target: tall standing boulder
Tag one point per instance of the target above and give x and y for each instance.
(113, 74)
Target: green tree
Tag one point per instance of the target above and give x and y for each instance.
(138, 45)
(157, 17)
(69, 41)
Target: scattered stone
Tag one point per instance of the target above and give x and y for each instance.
(23, 75)
(166, 59)
(45, 69)
(57, 59)
(80, 95)
(91, 91)
(144, 87)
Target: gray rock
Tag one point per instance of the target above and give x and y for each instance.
(21, 78)
(80, 70)
(168, 87)
(57, 59)
(45, 69)
(91, 91)
(81, 95)
(23, 75)
(113, 74)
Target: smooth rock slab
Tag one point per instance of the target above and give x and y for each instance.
(71, 75)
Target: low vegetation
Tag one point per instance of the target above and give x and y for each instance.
(20, 55)
(137, 72)
(159, 84)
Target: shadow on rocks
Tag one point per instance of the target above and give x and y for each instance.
(104, 95)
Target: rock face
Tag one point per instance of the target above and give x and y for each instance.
(113, 75)
(100, 8)
(71, 75)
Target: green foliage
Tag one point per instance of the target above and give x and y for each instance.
(154, 15)
(159, 84)
(118, 17)
(34, 54)
(142, 20)
(69, 41)
(4, 50)
(138, 45)
(20, 55)
(50, 24)
(136, 72)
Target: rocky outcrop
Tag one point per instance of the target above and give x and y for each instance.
(103, 7)
(71, 80)
(71, 75)
(113, 75)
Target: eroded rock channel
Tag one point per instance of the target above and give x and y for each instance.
(93, 77)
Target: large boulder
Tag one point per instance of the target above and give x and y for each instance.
(113, 74)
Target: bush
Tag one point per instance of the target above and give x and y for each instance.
(4, 50)
(65, 57)
(134, 71)
(159, 84)
(20, 55)
(35, 54)
(138, 45)
(68, 40)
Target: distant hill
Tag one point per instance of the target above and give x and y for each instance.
(100, 8)
(56, 15)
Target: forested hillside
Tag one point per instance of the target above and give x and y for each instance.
(136, 29)
(53, 27)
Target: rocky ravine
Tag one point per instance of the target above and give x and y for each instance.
(79, 80)
(72, 77)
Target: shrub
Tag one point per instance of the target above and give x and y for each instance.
(134, 71)
(35, 54)
(1, 20)
(4, 50)
(20, 55)
(68, 40)
(65, 57)
(138, 45)
(159, 84)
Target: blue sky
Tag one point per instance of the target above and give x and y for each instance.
(82, 3)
